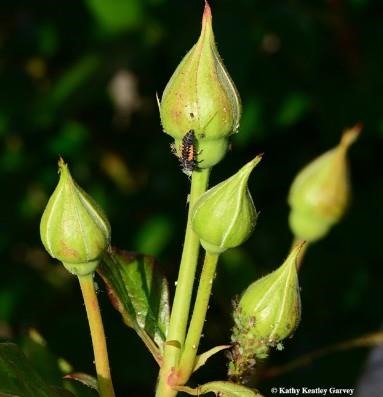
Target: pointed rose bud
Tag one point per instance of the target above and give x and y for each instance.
(225, 216)
(320, 193)
(273, 302)
(201, 97)
(73, 227)
(268, 312)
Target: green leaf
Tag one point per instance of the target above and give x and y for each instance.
(18, 377)
(140, 293)
(222, 389)
(85, 379)
(55, 369)
(36, 349)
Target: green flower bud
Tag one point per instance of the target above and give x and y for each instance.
(201, 97)
(273, 302)
(73, 227)
(225, 216)
(320, 193)
(268, 312)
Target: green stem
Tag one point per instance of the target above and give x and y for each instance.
(182, 298)
(105, 386)
(198, 318)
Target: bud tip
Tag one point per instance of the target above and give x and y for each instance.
(61, 163)
(206, 17)
(252, 163)
(350, 135)
(258, 158)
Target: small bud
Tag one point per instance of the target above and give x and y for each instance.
(273, 302)
(73, 227)
(225, 215)
(268, 312)
(320, 193)
(201, 97)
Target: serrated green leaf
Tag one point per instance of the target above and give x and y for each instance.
(140, 293)
(221, 389)
(19, 378)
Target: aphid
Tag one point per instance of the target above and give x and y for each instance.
(188, 153)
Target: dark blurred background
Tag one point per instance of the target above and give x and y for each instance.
(79, 78)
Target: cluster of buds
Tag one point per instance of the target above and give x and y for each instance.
(200, 108)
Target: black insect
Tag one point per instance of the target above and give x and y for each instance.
(188, 153)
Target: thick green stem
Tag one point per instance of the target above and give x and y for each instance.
(198, 318)
(182, 298)
(105, 386)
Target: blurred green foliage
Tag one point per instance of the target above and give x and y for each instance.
(79, 78)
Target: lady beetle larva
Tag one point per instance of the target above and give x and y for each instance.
(188, 153)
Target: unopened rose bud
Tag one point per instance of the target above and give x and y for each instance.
(202, 98)
(320, 193)
(73, 227)
(225, 216)
(268, 312)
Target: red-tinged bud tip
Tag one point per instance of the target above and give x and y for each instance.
(350, 135)
(206, 13)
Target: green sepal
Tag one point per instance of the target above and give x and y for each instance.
(202, 358)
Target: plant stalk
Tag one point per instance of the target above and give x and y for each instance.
(182, 298)
(105, 385)
(198, 318)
